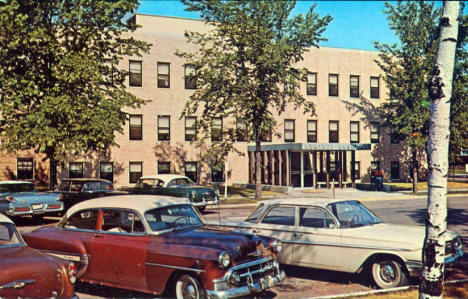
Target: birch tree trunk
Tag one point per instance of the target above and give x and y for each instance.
(440, 91)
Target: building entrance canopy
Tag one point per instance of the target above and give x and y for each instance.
(307, 164)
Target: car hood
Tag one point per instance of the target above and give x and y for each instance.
(37, 270)
(239, 245)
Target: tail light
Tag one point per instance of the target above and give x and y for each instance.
(72, 272)
(51, 207)
(10, 198)
(111, 188)
(60, 197)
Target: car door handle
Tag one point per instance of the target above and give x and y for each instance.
(296, 235)
(256, 231)
(98, 236)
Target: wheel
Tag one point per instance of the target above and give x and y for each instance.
(388, 273)
(189, 287)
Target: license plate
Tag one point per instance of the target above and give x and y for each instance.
(37, 207)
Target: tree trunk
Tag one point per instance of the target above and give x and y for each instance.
(52, 173)
(440, 91)
(258, 170)
(415, 170)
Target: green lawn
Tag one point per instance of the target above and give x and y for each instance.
(423, 185)
(243, 195)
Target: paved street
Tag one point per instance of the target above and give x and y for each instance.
(304, 282)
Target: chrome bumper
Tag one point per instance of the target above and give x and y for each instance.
(223, 289)
(415, 267)
(33, 209)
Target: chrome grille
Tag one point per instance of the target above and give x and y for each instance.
(253, 272)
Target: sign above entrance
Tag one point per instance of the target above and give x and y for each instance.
(313, 147)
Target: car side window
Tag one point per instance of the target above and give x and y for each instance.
(64, 186)
(317, 218)
(84, 219)
(280, 215)
(172, 183)
(121, 221)
(76, 186)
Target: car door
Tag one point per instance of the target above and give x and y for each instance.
(118, 249)
(279, 222)
(316, 240)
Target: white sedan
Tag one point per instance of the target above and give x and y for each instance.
(343, 235)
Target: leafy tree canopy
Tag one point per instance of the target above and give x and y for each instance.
(60, 89)
(246, 65)
(408, 68)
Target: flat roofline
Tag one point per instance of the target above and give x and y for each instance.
(313, 147)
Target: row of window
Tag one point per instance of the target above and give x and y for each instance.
(25, 170)
(164, 130)
(164, 80)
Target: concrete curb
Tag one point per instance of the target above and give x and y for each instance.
(373, 292)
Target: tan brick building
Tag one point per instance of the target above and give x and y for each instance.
(344, 84)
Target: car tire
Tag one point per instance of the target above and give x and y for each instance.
(189, 287)
(388, 273)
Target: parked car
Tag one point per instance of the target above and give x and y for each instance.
(29, 273)
(76, 190)
(19, 198)
(343, 235)
(148, 243)
(178, 186)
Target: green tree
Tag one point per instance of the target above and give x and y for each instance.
(61, 92)
(407, 70)
(246, 67)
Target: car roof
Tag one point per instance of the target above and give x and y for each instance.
(15, 182)
(140, 203)
(163, 177)
(86, 180)
(303, 201)
(4, 218)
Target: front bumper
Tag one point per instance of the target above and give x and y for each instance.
(415, 267)
(224, 289)
(34, 209)
(204, 201)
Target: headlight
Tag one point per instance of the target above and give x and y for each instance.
(277, 245)
(224, 259)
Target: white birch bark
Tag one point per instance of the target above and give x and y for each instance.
(432, 277)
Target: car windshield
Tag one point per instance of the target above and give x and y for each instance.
(9, 237)
(352, 214)
(255, 216)
(172, 218)
(15, 188)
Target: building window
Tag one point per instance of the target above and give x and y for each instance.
(333, 85)
(312, 84)
(216, 129)
(164, 167)
(135, 171)
(374, 87)
(191, 171)
(311, 131)
(75, 170)
(354, 86)
(374, 134)
(135, 73)
(333, 131)
(163, 75)
(25, 169)
(217, 172)
(394, 170)
(164, 128)
(354, 132)
(266, 135)
(136, 128)
(289, 130)
(241, 130)
(190, 77)
(106, 171)
(190, 128)
(357, 170)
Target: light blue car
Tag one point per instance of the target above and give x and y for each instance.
(18, 198)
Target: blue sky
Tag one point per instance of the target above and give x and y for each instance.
(355, 25)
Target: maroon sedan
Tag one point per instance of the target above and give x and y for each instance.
(153, 243)
(26, 272)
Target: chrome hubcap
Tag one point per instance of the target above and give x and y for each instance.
(190, 292)
(387, 272)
